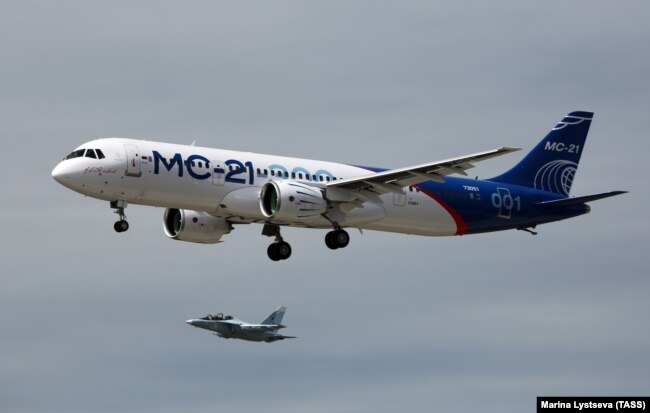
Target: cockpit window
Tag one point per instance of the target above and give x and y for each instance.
(76, 154)
(219, 316)
(89, 153)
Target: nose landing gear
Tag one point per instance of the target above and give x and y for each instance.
(121, 225)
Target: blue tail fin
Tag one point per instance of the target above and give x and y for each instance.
(552, 164)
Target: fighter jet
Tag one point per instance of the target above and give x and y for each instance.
(226, 326)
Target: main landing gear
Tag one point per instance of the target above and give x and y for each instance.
(121, 225)
(338, 238)
(279, 250)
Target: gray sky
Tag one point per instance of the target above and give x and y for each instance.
(93, 321)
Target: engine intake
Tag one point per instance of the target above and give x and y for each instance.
(194, 226)
(291, 201)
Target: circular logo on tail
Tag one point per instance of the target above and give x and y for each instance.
(556, 176)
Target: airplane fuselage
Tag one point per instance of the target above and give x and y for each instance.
(211, 180)
(236, 330)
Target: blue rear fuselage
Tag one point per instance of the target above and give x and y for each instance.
(484, 206)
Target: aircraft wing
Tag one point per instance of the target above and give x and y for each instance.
(394, 180)
(262, 327)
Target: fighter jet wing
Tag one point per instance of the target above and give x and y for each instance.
(394, 180)
(262, 327)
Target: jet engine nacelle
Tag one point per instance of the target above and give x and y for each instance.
(194, 226)
(291, 201)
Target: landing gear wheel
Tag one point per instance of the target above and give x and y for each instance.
(342, 238)
(279, 251)
(283, 249)
(121, 226)
(330, 241)
(337, 239)
(272, 252)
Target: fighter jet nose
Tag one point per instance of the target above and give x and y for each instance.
(190, 322)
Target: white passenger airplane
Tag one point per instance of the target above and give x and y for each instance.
(208, 191)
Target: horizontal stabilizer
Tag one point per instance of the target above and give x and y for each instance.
(578, 200)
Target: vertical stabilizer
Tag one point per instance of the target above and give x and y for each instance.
(276, 316)
(552, 164)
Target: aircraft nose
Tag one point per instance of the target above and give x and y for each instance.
(58, 173)
(190, 322)
(63, 173)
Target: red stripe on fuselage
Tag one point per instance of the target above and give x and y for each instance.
(461, 225)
